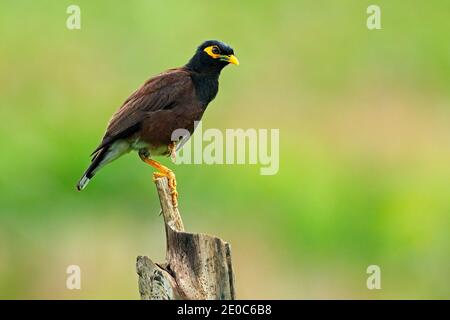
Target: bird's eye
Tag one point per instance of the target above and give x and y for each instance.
(215, 50)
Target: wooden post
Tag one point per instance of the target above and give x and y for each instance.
(197, 267)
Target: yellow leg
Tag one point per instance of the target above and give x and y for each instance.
(163, 171)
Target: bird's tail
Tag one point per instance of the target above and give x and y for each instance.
(93, 168)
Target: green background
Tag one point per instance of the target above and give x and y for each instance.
(364, 119)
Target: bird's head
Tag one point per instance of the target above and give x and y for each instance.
(212, 56)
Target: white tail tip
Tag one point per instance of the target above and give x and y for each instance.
(83, 183)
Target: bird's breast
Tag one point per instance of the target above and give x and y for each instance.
(158, 128)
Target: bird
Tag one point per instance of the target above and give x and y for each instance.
(174, 99)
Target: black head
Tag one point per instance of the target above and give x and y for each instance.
(211, 57)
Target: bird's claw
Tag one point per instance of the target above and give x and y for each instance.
(172, 184)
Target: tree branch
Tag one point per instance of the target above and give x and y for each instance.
(198, 266)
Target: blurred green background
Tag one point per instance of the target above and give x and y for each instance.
(364, 119)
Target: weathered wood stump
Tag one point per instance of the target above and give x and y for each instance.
(197, 267)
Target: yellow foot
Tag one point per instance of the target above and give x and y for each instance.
(163, 171)
(172, 184)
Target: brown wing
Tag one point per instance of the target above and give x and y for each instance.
(159, 93)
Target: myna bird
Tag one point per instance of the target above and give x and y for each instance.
(172, 100)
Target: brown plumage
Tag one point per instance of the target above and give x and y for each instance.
(172, 100)
(152, 112)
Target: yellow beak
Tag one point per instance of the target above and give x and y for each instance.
(232, 59)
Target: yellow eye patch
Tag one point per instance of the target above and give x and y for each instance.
(222, 57)
(209, 51)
